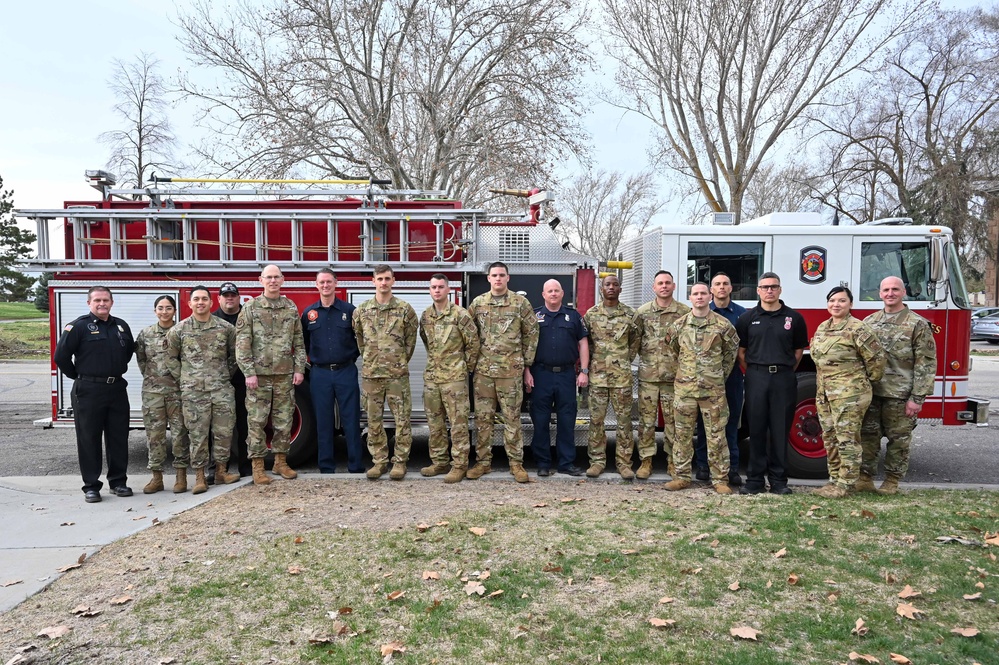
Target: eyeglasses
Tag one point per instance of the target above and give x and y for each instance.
(769, 287)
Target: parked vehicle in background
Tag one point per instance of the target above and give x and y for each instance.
(985, 328)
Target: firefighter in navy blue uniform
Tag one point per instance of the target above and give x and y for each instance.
(772, 338)
(332, 349)
(228, 311)
(552, 380)
(94, 351)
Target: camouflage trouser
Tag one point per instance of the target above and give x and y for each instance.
(886, 417)
(620, 400)
(714, 413)
(374, 394)
(158, 410)
(450, 399)
(508, 395)
(841, 419)
(273, 398)
(210, 411)
(652, 396)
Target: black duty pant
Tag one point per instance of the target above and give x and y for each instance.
(770, 403)
(554, 390)
(101, 411)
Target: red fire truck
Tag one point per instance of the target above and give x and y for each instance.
(172, 235)
(811, 258)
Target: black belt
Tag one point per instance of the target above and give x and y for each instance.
(773, 369)
(555, 368)
(99, 379)
(333, 366)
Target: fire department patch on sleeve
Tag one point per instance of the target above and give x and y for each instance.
(812, 266)
(313, 315)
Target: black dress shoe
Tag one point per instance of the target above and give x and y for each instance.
(782, 489)
(734, 478)
(544, 473)
(750, 489)
(92, 496)
(702, 473)
(121, 490)
(573, 471)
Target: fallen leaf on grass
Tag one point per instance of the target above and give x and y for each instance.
(867, 514)
(833, 597)
(792, 579)
(85, 611)
(979, 585)
(965, 632)
(540, 505)
(474, 587)
(396, 595)
(627, 552)
(166, 661)
(67, 567)
(431, 608)
(442, 523)
(299, 540)
(52, 632)
(908, 611)
(889, 578)
(662, 623)
(782, 552)
(973, 596)
(734, 586)
(497, 592)
(121, 600)
(11, 583)
(691, 571)
(291, 510)
(994, 540)
(477, 530)
(744, 632)
(899, 658)
(294, 570)
(860, 629)
(571, 499)
(431, 575)
(867, 658)
(549, 568)
(960, 541)
(485, 575)
(908, 592)
(700, 537)
(345, 610)
(665, 600)
(392, 648)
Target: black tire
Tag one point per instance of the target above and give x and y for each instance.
(993, 341)
(303, 450)
(805, 422)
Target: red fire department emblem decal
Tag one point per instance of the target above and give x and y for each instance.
(812, 268)
(313, 315)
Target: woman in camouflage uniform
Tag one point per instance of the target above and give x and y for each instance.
(848, 357)
(160, 394)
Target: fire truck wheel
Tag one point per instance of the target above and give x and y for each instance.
(303, 449)
(806, 455)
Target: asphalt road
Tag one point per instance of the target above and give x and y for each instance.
(966, 454)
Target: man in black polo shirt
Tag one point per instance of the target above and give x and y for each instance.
(552, 380)
(772, 338)
(94, 351)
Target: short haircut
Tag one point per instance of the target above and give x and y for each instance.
(94, 289)
(770, 275)
(326, 271)
(840, 289)
(663, 272)
(497, 264)
(201, 287)
(720, 274)
(700, 284)
(439, 275)
(383, 268)
(169, 299)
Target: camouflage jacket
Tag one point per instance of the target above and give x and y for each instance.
(386, 337)
(656, 362)
(508, 333)
(151, 353)
(269, 338)
(848, 357)
(910, 354)
(201, 356)
(452, 343)
(705, 350)
(613, 343)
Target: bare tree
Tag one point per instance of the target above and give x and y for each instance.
(600, 209)
(725, 80)
(456, 95)
(780, 187)
(146, 142)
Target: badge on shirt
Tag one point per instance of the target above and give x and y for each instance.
(567, 318)
(343, 317)
(92, 327)
(787, 323)
(313, 315)
(540, 316)
(120, 329)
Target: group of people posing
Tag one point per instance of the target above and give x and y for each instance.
(217, 379)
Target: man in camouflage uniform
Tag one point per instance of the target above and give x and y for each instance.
(705, 344)
(452, 341)
(270, 351)
(656, 371)
(898, 397)
(385, 328)
(508, 336)
(201, 359)
(614, 342)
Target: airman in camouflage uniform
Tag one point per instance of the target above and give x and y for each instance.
(848, 357)
(201, 360)
(656, 370)
(452, 342)
(270, 351)
(614, 342)
(705, 345)
(160, 396)
(898, 397)
(508, 336)
(385, 328)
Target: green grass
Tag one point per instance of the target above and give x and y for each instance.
(20, 310)
(24, 339)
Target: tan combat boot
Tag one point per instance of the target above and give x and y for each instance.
(831, 491)
(723, 488)
(200, 482)
(645, 470)
(456, 474)
(398, 471)
(625, 471)
(155, 484)
(480, 469)
(677, 484)
(671, 469)
(435, 470)
(595, 470)
(180, 485)
(864, 484)
(281, 467)
(377, 471)
(889, 486)
(223, 476)
(260, 476)
(518, 473)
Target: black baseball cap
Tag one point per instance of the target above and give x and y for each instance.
(227, 288)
